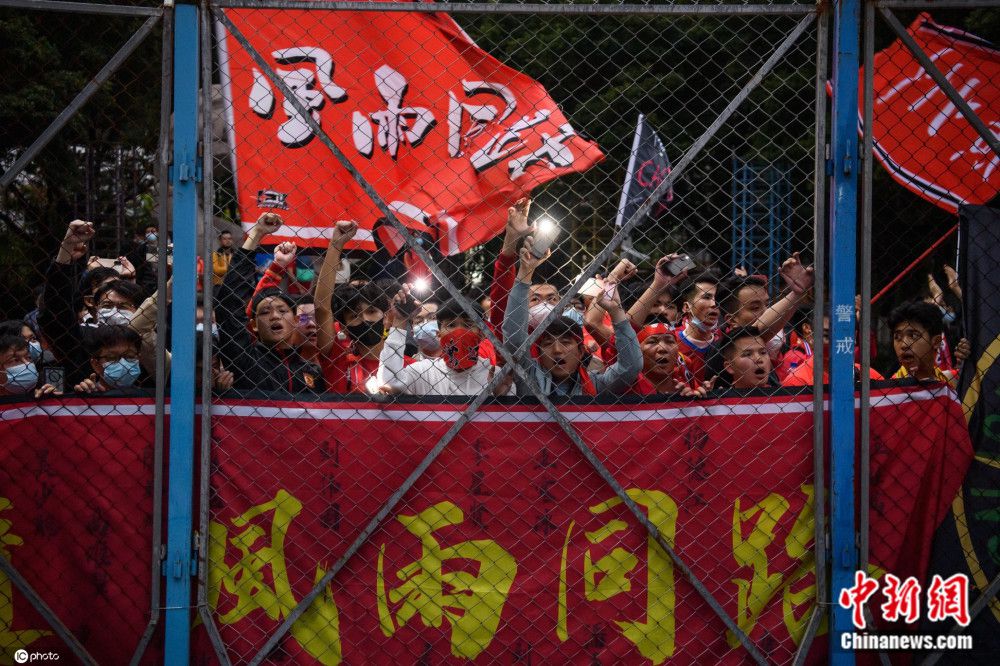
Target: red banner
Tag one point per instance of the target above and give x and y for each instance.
(920, 137)
(510, 547)
(447, 135)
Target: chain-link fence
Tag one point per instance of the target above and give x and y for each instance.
(505, 333)
(80, 486)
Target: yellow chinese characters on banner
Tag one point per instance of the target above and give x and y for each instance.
(259, 578)
(754, 532)
(10, 640)
(608, 576)
(471, 603)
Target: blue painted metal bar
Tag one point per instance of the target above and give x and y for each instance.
(178, 567)
(843, 277)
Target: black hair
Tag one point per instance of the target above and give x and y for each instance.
(563, 326)
(224, 232)
(380, 293)
(801, 318)
(270, 292)
(728, 293)
(690, 289)
(451, 310)
(345, 297)
(15, 342)
(919, 312)
(129, 290)
(104, 337)
(96, 276)
(304, 299)
(12, 327)
(739, 333)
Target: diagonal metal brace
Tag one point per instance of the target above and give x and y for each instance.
(380, 204)
(932, 70)
(82, 98)
(47, 613)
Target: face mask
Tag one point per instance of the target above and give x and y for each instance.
(460, 348)
(425, 336)
(947, 316)
(367, 334)
(121, 373)
(702, 326)
(35, 349)
(537, 313)
(575, 315)
(114, 317)
(151, 238)
(22, 378)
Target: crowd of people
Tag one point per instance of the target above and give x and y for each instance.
(687, 333)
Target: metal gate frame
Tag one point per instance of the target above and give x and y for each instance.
(884, 9)
(153, 16)
(808, 15)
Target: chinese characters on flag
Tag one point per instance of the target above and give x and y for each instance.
(447, 135)
(920, 137)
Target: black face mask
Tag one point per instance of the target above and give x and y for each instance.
(367, 334)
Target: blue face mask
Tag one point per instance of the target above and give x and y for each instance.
(425, 335)
(35, 349)
(575, 315)
(22, 378)
(121, 373)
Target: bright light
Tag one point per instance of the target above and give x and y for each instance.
(545, 225)
(421, 285)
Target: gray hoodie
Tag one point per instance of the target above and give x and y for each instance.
(615, 379)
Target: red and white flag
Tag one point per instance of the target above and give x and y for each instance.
(919, 135)
(447, 135)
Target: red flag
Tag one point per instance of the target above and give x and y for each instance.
(447, 135)
(920, 137)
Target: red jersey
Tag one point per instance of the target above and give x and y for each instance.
(695, 356)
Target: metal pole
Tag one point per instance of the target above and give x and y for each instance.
(180, 550)
(166, 72)
(843, 268)
(529, 8)
(819, 297)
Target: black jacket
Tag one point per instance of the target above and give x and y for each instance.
(57, 320)
(255, 365)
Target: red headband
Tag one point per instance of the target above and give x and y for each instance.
(655, 329)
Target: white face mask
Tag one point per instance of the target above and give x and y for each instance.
(114, 317)
(539, 312)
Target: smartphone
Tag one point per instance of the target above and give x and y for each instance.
(677, 266)
(56, 376)
(545, 236)
(407, 308)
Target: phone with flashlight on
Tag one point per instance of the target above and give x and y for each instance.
(546, 232)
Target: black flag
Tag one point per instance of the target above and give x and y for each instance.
(647, 168)
(968, 540)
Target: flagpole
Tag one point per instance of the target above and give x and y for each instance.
(629, 174)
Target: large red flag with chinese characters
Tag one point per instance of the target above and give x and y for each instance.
(920, 137)
(447, 135)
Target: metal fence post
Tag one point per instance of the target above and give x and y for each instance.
(843, 266)
(183, 178)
